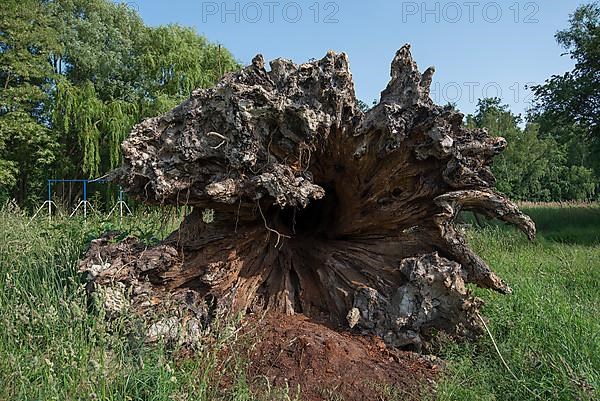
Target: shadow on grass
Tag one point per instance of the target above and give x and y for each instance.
(572, 225)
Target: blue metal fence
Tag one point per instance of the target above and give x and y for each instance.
(84, 203)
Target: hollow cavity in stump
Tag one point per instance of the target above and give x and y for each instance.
(320, 209)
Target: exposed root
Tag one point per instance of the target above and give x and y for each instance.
(361, 205)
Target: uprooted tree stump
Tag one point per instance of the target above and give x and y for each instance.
(320, 209)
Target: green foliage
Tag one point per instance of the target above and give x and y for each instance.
(27, 146)
(363, 106)
(533, 167)
(119, 71)
(77, 75)
(78, 110)
(97, 127)
(568, 106)
(176, 61)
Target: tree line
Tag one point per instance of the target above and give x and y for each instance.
(553, 152)
(76, 75)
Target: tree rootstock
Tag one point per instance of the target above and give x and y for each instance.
(320, 209)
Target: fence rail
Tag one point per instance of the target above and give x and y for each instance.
(84, 204)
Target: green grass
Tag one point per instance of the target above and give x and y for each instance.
(548, 330)
(53, 347)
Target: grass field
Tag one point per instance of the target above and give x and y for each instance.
(52, 348)
(548, 330)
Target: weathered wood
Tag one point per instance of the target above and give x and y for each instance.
(320, 209)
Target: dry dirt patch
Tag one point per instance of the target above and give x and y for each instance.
(295, 351)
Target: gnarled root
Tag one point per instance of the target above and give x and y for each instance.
(320, 209)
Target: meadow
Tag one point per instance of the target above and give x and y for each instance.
(54, 347)
(548, 329)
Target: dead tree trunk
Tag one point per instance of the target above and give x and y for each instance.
(320, 209)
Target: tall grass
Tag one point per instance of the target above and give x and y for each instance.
(548, 330)
(54, 347)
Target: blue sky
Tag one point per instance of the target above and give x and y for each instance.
(479, 48)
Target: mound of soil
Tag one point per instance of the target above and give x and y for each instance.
(296, 352)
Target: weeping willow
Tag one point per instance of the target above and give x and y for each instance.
(178, 61)
(171, 62)
(95, 127)
(119, 117)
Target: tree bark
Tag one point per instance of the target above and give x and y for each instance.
(320, 209)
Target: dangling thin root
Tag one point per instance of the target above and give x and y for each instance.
(279, 235)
